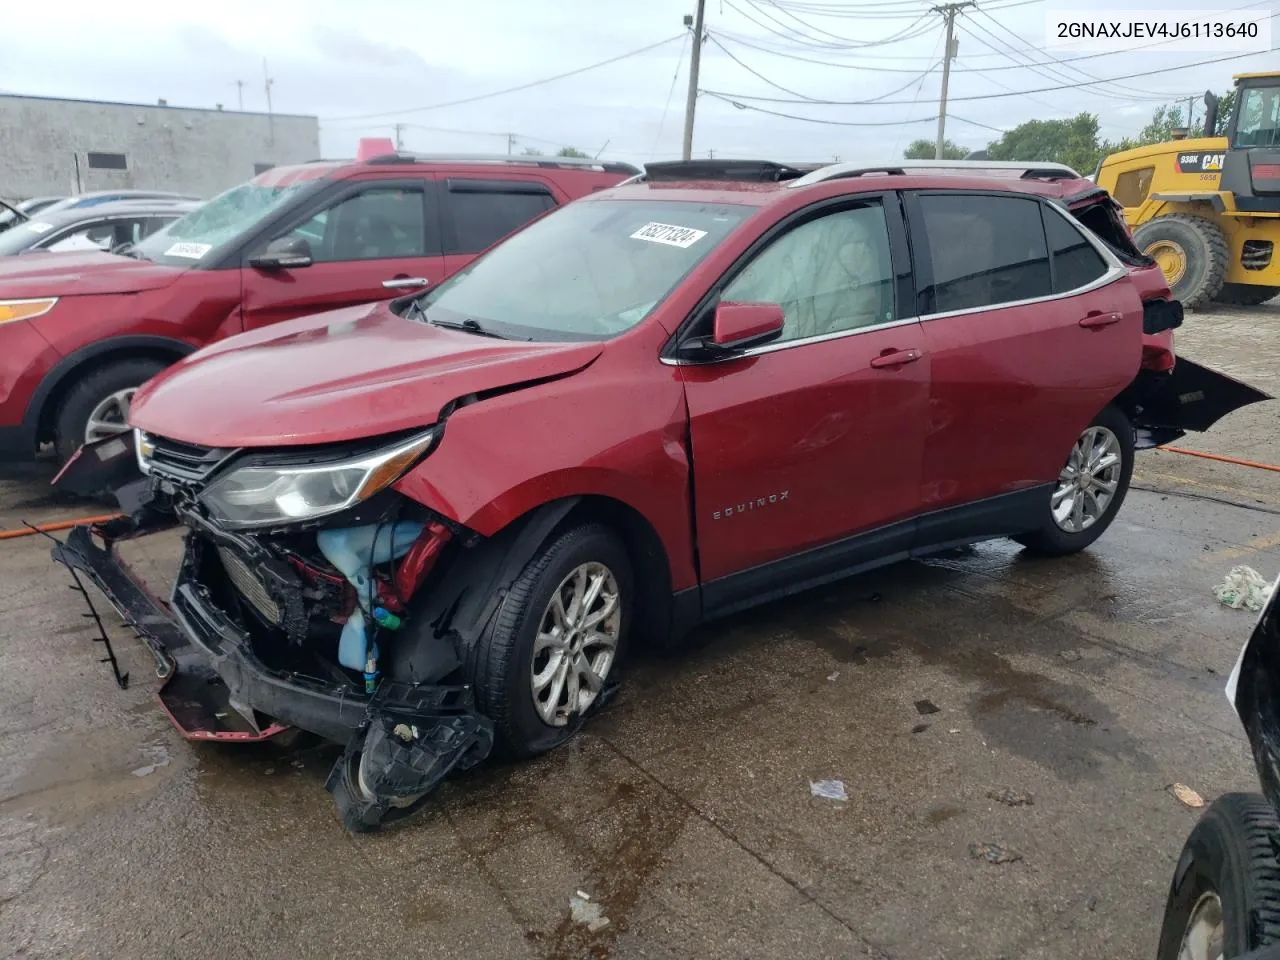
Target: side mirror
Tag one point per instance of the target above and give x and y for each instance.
(738, 326)
(284, 253)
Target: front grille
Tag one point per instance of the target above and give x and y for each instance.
(249, 586)
(185, 461)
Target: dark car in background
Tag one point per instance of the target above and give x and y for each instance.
(80, 332)
(103, 226)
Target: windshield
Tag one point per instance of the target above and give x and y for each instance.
(1259, 121)
(588, 271)
(191, 238)
(22, 236)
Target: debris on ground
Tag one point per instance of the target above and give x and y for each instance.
(583, 910)
(1243, 587)
(828, 789)
(924, 707)
(920, 728)
(1186, 795)
(1012, 798)
(1071, 656)
(993, 853)
(158, 756)
(834, 675)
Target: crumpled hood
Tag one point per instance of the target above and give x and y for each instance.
(342, 375)
(80, 274)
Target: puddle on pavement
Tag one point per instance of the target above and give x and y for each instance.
(75, 775)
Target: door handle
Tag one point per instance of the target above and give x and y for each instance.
(896, 358)
(1095, 320)
(399, 283)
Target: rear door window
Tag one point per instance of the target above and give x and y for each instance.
(478, 213)
(984, 251)
(1075, 262)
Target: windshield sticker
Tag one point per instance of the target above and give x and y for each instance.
(37, 226)
(189, 251)
(669, 234)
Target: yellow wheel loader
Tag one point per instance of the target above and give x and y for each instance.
(1207, 209)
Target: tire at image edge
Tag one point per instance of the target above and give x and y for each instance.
(1230, 852)
(1206, 252)
(498, 665)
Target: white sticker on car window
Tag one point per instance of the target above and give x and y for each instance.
(670, 234)
(189, 251)
(37, 226)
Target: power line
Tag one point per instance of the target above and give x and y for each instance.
(806, 97)
(791, 116)
(670, 93)
(814, 43)
(916, 97)
(515, 89)
(996, 96)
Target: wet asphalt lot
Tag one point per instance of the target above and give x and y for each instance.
(1090, 683)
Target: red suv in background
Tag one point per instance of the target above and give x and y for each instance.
(80, 332)
(423, 526)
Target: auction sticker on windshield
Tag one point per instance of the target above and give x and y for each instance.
(669, 234)
(189, 251)
(37, 226)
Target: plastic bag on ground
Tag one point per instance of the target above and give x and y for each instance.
(1243, 587)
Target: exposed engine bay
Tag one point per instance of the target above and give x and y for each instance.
(353, 626)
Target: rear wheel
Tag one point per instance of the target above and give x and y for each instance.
(1225, 897)
(98, 405)
(1192, 254)
(1246, 294)
(1089, 489)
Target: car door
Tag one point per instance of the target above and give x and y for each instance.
(1030, 336)
(804, 444)
(477, 213)
(371, 240)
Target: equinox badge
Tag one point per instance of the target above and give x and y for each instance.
(749, 505)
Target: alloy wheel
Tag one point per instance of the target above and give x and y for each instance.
(1088, 483)
(110, 417)
(576, 644)
(1203, 939)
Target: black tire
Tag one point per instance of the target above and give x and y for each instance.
(501, 662)
(1230, 853)
(1246, 294)
(1052, 540)
(1206, 254)
(73, 413)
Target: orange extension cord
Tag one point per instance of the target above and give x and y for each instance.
(68, 524)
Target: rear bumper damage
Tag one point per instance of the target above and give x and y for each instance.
(400, 740)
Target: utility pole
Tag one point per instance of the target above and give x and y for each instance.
(949, 11)
(1191, 103)
(399, 140)
(240, 94)
(694, 63)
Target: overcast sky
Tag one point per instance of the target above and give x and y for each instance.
(344, 60)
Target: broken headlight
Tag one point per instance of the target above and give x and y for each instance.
(261, 494)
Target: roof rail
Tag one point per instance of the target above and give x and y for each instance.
(753, 171)
(1026, 171)
(605, 166)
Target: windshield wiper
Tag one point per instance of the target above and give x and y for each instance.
(129, 250)
(471, 326)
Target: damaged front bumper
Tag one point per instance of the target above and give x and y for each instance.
(400, 740)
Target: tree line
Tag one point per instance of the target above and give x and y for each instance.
(1073, 141)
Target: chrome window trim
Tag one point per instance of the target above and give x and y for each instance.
(1115, 270)
(788, 344)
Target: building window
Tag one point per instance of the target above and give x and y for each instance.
(107, 161)
(261, 168)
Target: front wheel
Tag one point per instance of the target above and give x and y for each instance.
(1089, 489)
(1225, 897)
(97, 407)
(557, 641)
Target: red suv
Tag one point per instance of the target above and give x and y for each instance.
(79, 333)
(421, 526)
